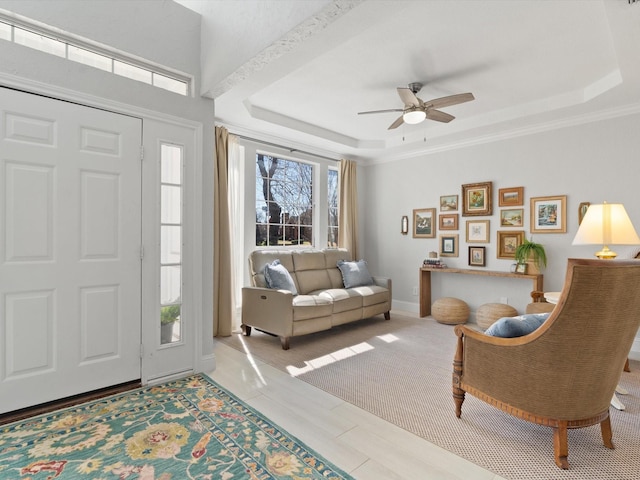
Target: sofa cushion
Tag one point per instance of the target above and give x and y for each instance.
(355, 274)
(508, 327)
(372, 294)
(311, 306)
(343, 299)
(278, 277)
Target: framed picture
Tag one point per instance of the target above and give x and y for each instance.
(477, 231)
(512, 217)
(476, 256)
(508, 241)
(521, 268)
(549, 214)
(448, 221)
(424, 223)
(448, 203)
(449, 245)
(582, 210)
(511, 197)
(476, 199)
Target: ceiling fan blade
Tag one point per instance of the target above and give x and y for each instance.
(450, 100)
(438, 116)
(399, 121)
(381, 111)
(408, 97)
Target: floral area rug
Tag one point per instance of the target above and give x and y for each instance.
(185, 429)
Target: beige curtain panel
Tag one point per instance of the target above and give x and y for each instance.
(222, 258)
(348, 216)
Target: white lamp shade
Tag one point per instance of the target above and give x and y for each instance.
(606, 224)
(414, 116)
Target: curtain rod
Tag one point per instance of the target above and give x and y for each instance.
(291, 150)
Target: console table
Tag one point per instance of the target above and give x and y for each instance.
(425, 282)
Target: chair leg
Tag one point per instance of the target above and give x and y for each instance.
(561, 446)
(458, 393)
(607, 433)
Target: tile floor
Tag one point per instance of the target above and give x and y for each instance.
(358, 442)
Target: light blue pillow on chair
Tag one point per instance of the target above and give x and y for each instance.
(509, 327)
(278, 277)
(355, 274)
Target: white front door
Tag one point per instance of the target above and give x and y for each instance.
(70, 236)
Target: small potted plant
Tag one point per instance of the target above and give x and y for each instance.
(532, 254)
(169, 315)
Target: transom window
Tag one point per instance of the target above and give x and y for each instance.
(38, 38)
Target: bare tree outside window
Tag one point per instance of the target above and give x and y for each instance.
(284, 202)
(332, 231)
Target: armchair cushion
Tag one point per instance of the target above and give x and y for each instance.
(355, 274)
(278, 277)
(508, 327)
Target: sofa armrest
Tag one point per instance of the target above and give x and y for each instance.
(382, 282)
(268, 310)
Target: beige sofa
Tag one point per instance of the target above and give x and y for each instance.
(322, 300)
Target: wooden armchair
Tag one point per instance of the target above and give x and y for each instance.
(564, 374)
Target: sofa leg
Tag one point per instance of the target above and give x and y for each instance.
(246, 330)
(284, 341)
(387, 315)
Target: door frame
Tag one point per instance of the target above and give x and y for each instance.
(193, 225)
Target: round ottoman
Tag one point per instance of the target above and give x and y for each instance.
(488, 313)
(449, 310)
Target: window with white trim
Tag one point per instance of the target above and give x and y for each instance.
(284, 201)
(39, 38)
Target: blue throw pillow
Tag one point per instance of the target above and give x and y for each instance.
(355, 274)
(278, 277)
(508, 327)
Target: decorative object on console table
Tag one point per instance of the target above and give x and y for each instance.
(511, 197)
(606, 224)
(508, 242)
(424, 223)
(531, 255)
(549, 214)
(476, 199)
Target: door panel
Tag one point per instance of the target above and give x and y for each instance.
(70, 270)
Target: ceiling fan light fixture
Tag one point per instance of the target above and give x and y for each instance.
(414, 116)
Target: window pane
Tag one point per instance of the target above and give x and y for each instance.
(130, 71)
(5, 31)
(170, 280)
(39, 42)
(332, 201)
(170, 164)
(170, 84)
(170, 204)
(86, 57)
(170, 323)
(284, 201)
(170, 244)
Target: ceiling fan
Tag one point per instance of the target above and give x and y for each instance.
(415, 110)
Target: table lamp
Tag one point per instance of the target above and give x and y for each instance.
(606, 224)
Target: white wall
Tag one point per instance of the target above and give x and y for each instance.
(158, 31)
(593, 162)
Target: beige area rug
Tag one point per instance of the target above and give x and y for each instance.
(400, 370)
